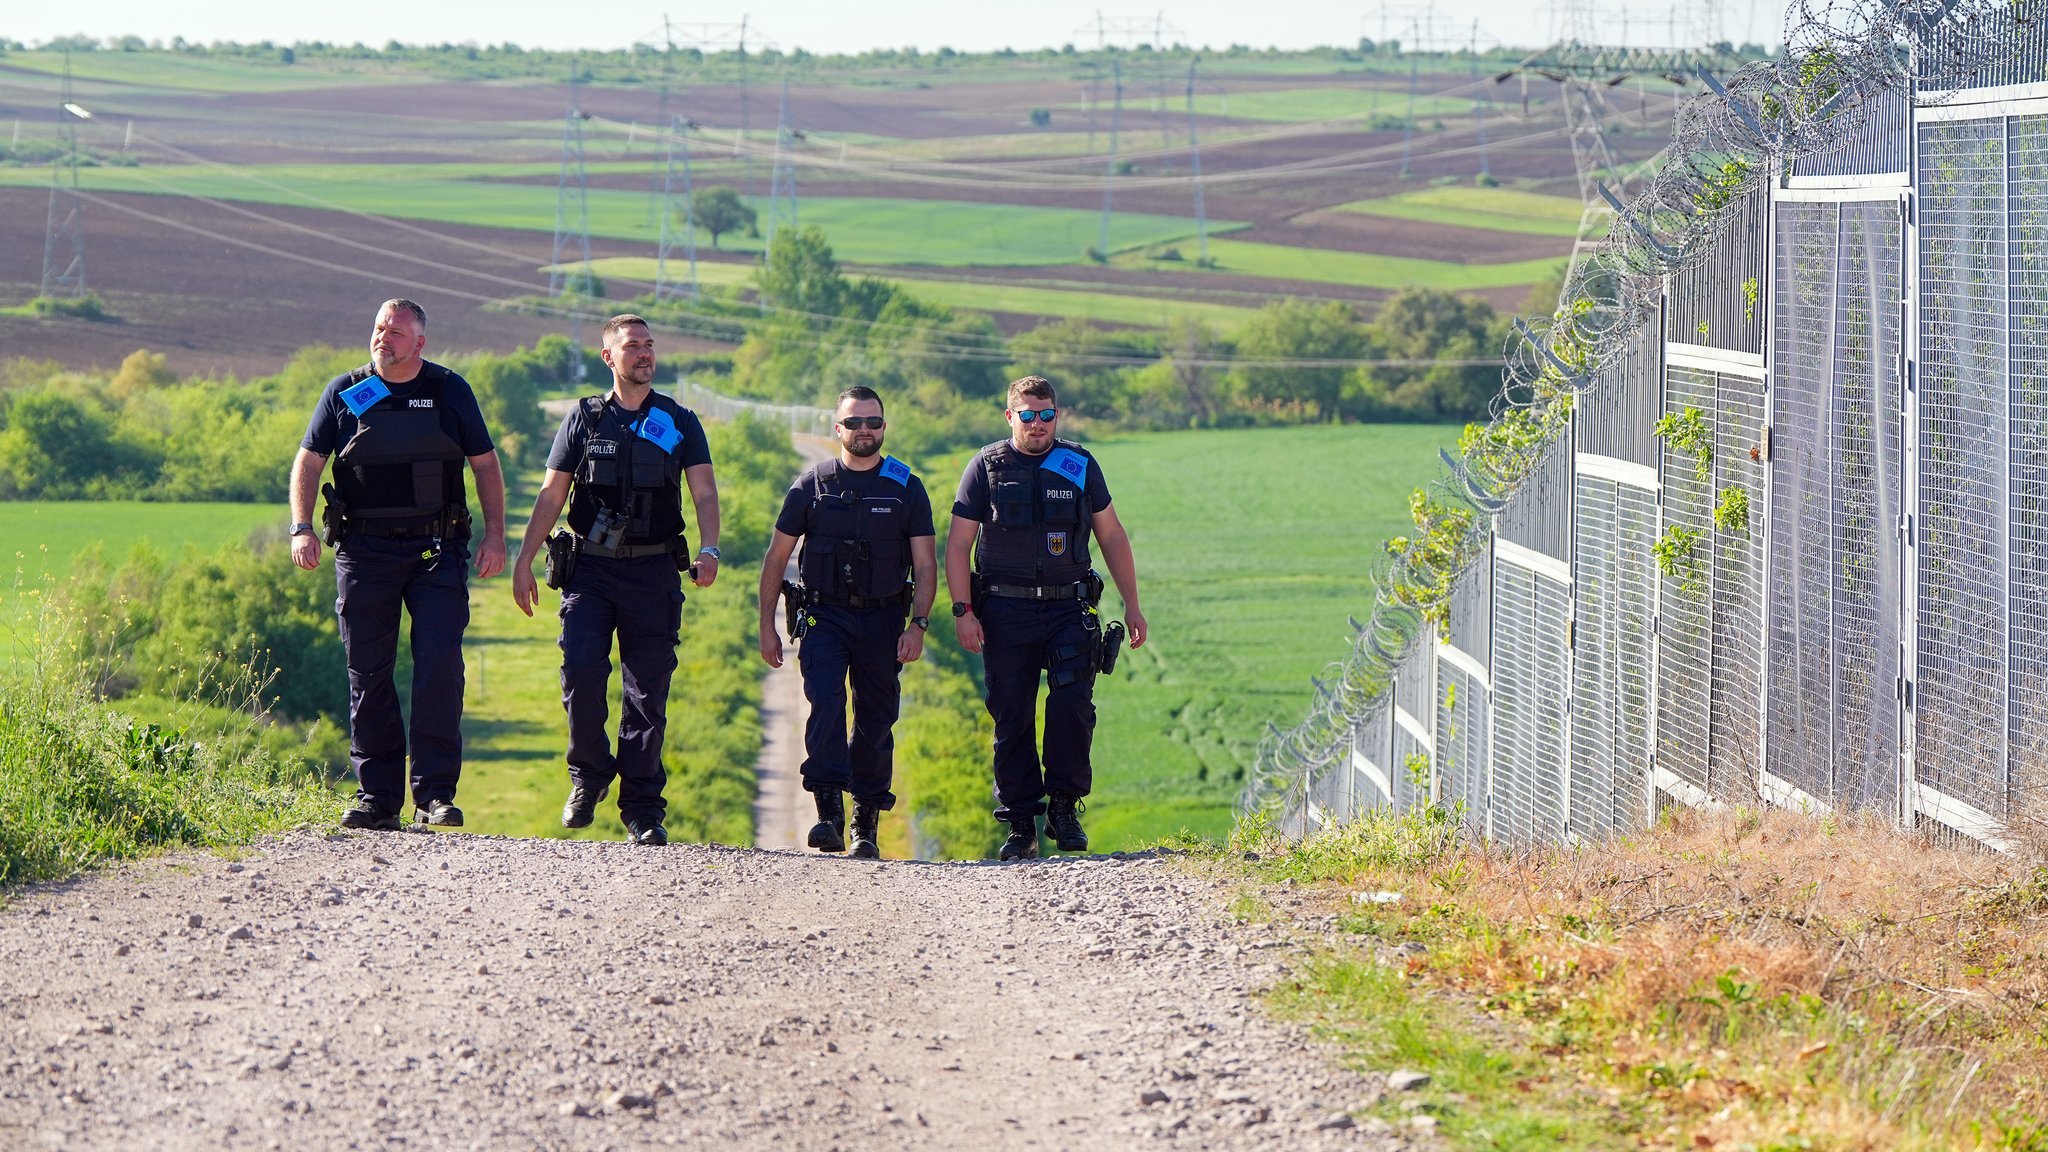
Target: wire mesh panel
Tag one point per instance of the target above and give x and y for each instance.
(1512, 807)
(1634, 580)
(1413, 728)
(2027, 138)
(1960, 713)
(1737, 588)
(1616, 417)
(1461, 724)
(1593, 657)
(1881, 142)
(1367, 776)
(1865, 438)
(1685, 642)
(1540, 514)
(1801, 720)
(1718, 302)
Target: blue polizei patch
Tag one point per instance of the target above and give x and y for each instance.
(897, 470)
(657, 428)
(359, 397)
(1068, 463)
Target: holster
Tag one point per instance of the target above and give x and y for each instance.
(1109, 647)
(796, 616)
(331, 516)
(560, 564)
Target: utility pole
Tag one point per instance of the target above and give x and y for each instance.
(1408, 127)
(64, 232)
(1479, 107)
(1109, 172)
(1195, 167)
(782, 181)
(572, 199)
(676, 202)
(658, 183)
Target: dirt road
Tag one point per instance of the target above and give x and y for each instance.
(451, 991)
(783, 811)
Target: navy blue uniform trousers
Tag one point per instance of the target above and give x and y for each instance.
(373, 577)
(1021, 638)
(641, 601)
(856, 645)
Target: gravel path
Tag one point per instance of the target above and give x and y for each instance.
(452, 991)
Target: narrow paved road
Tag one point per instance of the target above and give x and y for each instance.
(448, 991)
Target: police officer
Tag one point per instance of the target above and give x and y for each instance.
(1025, 508)
(866, 526)
(399, 519)
(619, 462)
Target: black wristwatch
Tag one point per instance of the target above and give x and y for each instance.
(924, 623)
(961, 608)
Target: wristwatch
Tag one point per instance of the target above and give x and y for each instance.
(961, 608)
(710, 550)
(302, 529)
(924, 623)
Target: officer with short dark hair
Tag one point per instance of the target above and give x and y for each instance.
(1027, 603)
(398, 518)
(619, 462)
(870, 558)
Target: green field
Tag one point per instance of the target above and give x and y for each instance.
(1252, 548)
(202, 74)
(1362, 269)
(1033, 300)
(1498, 209)
(866, 230)
(45, 538)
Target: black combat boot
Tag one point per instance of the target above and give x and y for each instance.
(366, 815)
(1063, 823)
(1022, 843)
(829, 833)
(865, 817)
(581, 806)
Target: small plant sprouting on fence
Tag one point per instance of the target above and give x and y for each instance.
(1678, 557)
(1440, 549)
(1687, 432)
(1731, 513)
(1720, 188)
(1749, 300)
(1418, 772)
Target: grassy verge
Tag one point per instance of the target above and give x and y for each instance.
(82, 782)
(1498, 209)
(1742, 979)
(1363, 269)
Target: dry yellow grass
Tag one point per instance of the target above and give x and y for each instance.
(1740, 979)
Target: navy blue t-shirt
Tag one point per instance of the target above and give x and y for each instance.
(796, 505)
(333, 425)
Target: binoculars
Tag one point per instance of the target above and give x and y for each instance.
(607, 529)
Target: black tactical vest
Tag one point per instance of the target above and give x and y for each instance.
(628, 473)
(1037, 531)
(854, 544)
(401, 471)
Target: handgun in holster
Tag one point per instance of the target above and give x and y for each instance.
(796, 616)
(332, 515)
(560, 563)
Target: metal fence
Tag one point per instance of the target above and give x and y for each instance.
(1831, 593)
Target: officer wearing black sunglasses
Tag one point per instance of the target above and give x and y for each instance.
(870, 558)
(1025, 509)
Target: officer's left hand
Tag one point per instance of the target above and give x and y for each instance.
(490, 556)
(707, 571)
(1134, 623)
(910, 645)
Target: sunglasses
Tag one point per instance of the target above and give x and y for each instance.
(1026, 415)
(856, 423)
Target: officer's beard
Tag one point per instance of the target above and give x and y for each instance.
(864, 446)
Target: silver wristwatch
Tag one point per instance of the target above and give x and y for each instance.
(302, 529)
(708, 550)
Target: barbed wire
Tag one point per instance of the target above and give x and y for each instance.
(1843, 61)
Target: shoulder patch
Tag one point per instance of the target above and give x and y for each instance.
(1068, 463)
(360, 397)
(897, 470)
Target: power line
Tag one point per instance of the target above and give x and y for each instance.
(572, 194)
(1109, 171)
(64, 230)
(676, 202)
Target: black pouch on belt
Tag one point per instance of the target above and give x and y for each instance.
(561, 559)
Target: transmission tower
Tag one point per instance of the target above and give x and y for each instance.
(1109, 171)
(676, 205)
(572, 202)
(1408, 121)
(1195, 168)
(782, 181)
(657, 184)
(64, 233)
(1479, 106)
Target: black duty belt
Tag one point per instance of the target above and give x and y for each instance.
(627, 551)
(445, 527)
(896, 601)
(1036, 591)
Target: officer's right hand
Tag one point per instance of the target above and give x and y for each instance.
(306, 551)
(968, 629)
(525, 592)
(771, 646)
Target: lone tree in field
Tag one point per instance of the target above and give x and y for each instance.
(720, 209)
